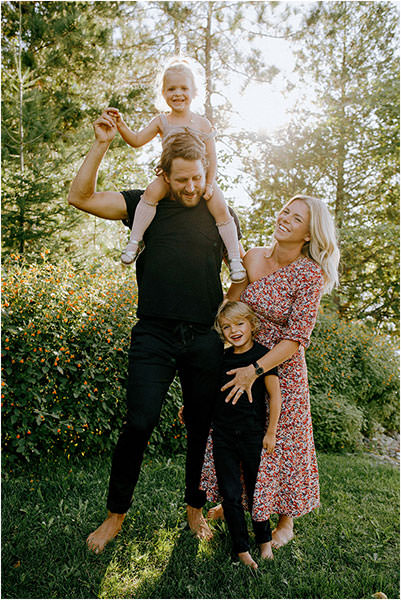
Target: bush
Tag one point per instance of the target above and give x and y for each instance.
(353, 363)
(337, 424)
(65, 338)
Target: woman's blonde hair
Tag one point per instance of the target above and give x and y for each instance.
(233, 310)
(322, 247)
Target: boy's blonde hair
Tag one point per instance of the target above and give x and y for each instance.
(233, 310)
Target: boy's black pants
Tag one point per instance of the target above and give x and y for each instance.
(233, 449)
(160, 349)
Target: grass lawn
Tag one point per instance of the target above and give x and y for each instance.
(349, 548)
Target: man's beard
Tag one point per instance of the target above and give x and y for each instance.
(177, 197)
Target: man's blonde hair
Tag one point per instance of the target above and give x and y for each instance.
(233, 310)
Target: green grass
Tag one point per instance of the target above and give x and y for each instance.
(348, 548)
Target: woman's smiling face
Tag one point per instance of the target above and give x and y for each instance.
(292, 223)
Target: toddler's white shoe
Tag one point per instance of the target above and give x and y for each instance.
(131, 252)
(237, 270)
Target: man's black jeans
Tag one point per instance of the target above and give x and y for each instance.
(160, 349)
(232, 451)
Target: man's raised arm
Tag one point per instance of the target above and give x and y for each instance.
(82, 194)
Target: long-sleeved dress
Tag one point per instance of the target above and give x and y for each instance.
(286, 302)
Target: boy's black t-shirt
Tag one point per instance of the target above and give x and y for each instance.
(244, 415)
(178, 273)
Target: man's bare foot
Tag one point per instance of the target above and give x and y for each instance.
(108, 530)
(266, 551)
(216, 512)
(284, 532)
(197, 523)
(247, 560)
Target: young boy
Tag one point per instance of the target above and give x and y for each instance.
(238, 431)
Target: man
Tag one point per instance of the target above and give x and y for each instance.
(179, 291)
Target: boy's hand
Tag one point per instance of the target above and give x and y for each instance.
(208, 192)
(269, 442)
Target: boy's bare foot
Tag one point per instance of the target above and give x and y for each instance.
(108, 530)
(247, 560)
(266, 551)
(197, 523)
(284, 532)
(216, 512)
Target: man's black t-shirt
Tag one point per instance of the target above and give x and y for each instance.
(244, 415)
(178, 273)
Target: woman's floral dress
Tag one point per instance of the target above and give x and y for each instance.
(286, 302)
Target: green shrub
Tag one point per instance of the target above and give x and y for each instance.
(352, 362)
(337, 424)
(65, 337)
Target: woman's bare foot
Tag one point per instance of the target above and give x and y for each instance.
(247, 560)
(216, 512)
(107, 531)
(284, 532)
(266, 551)
(197, 523)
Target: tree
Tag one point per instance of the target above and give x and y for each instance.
(345, 147)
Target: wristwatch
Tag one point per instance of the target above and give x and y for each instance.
(258, 369)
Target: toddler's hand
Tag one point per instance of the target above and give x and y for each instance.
(208, 192)
(116, 115)
(269, 442)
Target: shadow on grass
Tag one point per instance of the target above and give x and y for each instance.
(174, 564)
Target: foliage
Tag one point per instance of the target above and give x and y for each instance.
(63, 62)
(65, 340)
(348, 363)
(65, 337)
(337, 424)
(348, 548)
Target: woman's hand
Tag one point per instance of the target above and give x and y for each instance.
(242, 382)
(269, 441)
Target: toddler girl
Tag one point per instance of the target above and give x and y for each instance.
(178, 90)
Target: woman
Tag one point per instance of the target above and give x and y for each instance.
(284, 288)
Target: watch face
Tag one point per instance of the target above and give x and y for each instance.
(258, 369)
